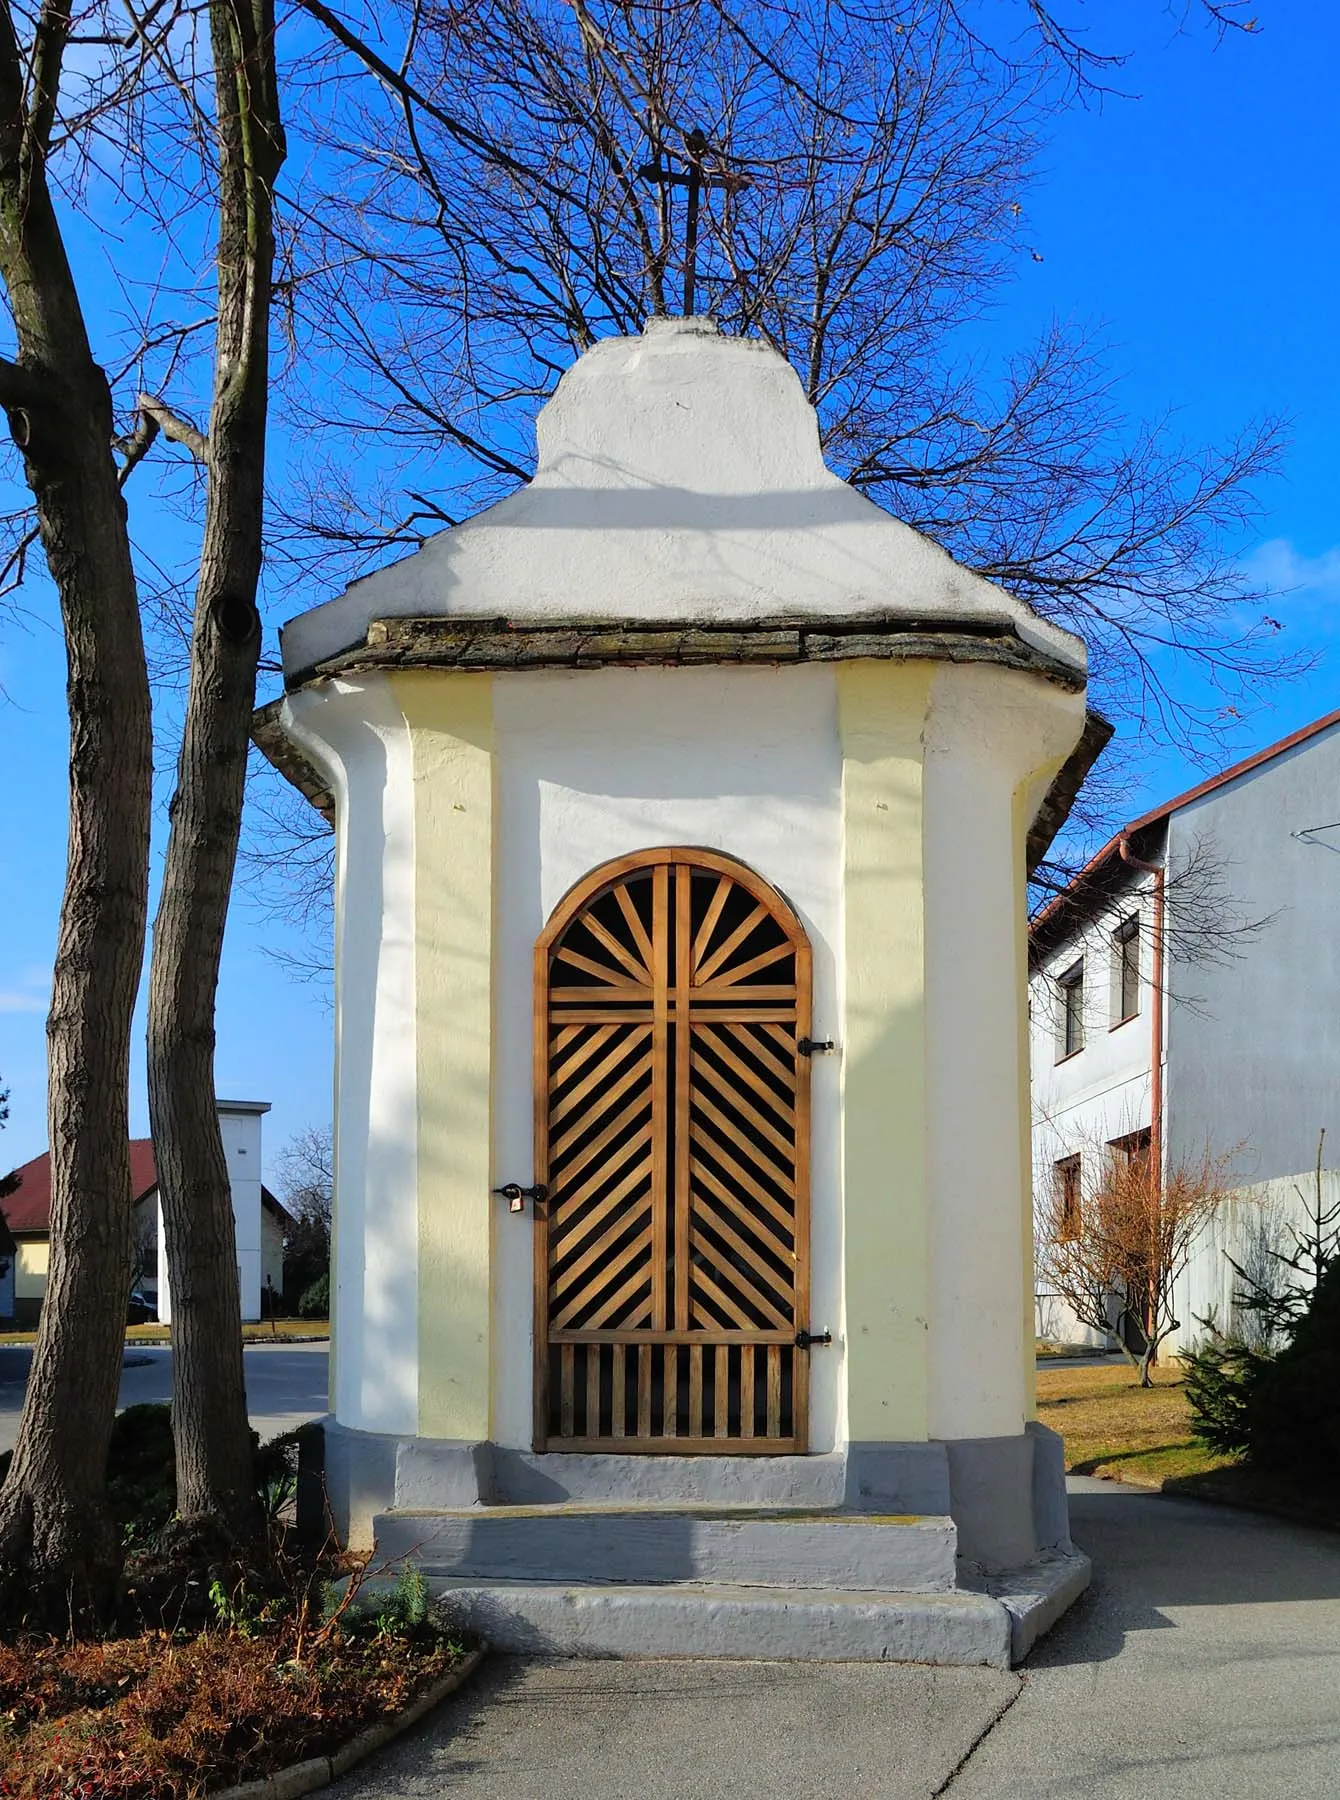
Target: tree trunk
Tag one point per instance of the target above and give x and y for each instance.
(59, 1551)
(213, 1439)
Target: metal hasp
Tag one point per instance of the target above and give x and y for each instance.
(812, 1046)
(516, 1196)
(806, 1340)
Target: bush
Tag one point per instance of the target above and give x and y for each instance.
(315, 1302)
(1278, 1410)
(141, 1472)
(1219, 1376)
(1293, 1419)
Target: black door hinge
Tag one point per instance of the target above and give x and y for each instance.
(806, 1340)
(812, 1046)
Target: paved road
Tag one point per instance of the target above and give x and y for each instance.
(1204, 1662)
(691, 1731)
(286, 1383)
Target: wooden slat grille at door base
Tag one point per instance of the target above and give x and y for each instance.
(672, 1132)
(723, 1396)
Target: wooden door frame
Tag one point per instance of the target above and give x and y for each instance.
(578, 897)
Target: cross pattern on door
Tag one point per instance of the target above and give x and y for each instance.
(672, 1134)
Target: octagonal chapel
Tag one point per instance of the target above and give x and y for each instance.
(683, 1249)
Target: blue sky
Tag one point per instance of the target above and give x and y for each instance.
(1192, 223)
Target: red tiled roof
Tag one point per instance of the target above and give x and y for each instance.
(1157, 813)
(28, 1208)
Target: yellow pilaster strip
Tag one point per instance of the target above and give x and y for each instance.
(450, 719)
(881, 719)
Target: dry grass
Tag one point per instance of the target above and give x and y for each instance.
(1048, 1350)
(1113, 1427)
(1119, 1431)
(283, 1331)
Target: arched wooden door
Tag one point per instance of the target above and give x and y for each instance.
(672, 1133)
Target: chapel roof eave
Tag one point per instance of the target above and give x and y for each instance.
(494, 646)
(499, 644)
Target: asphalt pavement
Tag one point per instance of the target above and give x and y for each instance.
(286, 1383)
(1203, 1662)
(691, 1731)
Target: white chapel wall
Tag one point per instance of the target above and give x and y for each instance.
(357, 734)
(593, 766)
(985, 731)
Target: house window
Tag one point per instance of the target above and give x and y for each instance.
(1067, 1175)
(1126, 971)
(1132, 1149)
(1071, 1035)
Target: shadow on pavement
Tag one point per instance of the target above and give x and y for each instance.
(1153, 1552)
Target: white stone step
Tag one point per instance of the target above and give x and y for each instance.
(750, 1624)
(746, 1546)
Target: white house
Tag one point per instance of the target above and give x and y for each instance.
(258, 1218)
(682, 802)
(1184, 997)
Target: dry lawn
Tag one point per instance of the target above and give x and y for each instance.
(1119, 1431)
(284, 1331)
(1114, 1428)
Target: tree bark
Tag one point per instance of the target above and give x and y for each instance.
(213, 1440)
(59, 1550)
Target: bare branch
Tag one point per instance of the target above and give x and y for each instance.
(172, 425)
(1116, 1234)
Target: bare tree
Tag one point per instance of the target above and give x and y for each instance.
(173, 114)
(57, 1540)
(505, 204)
(306, 1167)
(1205, 921)
(210, 1426)
(494, 208)
(1114, 1245)
(307, 1184)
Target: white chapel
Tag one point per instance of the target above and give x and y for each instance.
(683, 1248)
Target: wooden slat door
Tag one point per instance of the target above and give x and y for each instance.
(672, 1132)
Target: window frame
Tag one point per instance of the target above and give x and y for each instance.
(1132, 1146)
(1070, 991)
(1125, 964)
(1068, 1175)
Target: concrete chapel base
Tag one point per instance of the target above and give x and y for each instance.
(946, 1553)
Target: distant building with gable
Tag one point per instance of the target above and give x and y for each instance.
(259, 1221)
(1184, 996)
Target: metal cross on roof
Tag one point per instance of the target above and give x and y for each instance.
(695, 178)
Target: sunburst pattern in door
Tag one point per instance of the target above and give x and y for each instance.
(672, 1132)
